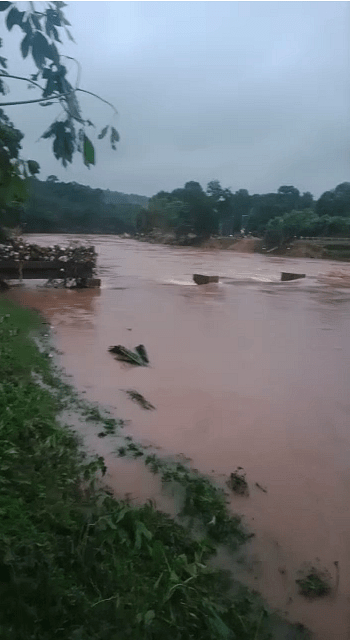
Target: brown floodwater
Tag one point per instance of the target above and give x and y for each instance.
(249, 372)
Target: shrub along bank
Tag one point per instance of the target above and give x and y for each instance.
(75, 563)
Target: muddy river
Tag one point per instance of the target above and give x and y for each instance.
(250, 372)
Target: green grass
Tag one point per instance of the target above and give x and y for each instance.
(75, 563)
(203, 501)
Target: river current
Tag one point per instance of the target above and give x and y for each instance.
(250, 372)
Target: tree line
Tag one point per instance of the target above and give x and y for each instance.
(217, 210)
(59, 207)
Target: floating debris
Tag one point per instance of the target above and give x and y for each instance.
(140, 349)
(260, 487)
(238, 483)
(138, 357)
(285, 276)
(201, 279)
(138, 397)
(314, 584)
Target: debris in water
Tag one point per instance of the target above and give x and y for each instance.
(260, 487)
(285, 276)
(314, 584)
(92, 283)
(238, 483)
(4, 286)
(138, 357)
(201, 279)
(138, 397)
(142, 352)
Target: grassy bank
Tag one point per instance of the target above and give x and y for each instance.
(75, 563)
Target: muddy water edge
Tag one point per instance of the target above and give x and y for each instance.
(249, 372)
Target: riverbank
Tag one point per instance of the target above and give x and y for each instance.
(76, 562)
(298, 248)
(227, 363)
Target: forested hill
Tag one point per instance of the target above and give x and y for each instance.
(60, 207)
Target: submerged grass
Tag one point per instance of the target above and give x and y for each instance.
(75, 562)
(203, 501)
(314, 584)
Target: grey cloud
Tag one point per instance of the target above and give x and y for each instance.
(255, 94)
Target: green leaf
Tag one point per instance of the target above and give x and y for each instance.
(53, 16)
(50, 131)
(69, 35)
(72, 103)
(16, 190)
(63, 146)
(14, 17)
(219, 628)
(50, 85)
(141, 530)
(25, 44)
(4, 5)
(114, 137)
(122, 514)
(55, 56)
(35, 21)
(27, 27)
(89, 152)
(149, 617)
(55, 34)
(41, 50)
(103, 133)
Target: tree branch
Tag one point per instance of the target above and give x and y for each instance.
(3, 75)
(79, 69)
(99, 98)
(56, 97)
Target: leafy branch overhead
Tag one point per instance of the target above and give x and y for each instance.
(42, 34)
(13, 170)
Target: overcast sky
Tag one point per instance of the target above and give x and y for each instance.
(254, 94)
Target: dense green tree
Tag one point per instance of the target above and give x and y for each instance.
(335, 202)
(268, 206)
(13, 170)
(263, 208)
(293, 224)
(164, 212)
(222, 202)
(201, 214)
(288, 197)
(306, 201)
(305, 223)
(74, 208)
(241, 204)
(42, 31)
